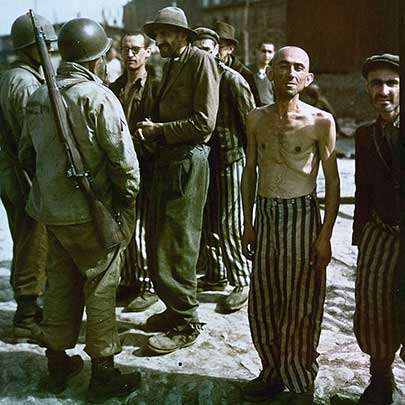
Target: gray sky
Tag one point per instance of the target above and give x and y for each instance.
(59, 10)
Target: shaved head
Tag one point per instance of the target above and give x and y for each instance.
(289, 71)
(292, 52)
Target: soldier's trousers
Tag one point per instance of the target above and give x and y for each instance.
(221, 251)
(286, 294)
(134, 266)
(28, 266)
(178, 195)
(81, 273)
(376, 318)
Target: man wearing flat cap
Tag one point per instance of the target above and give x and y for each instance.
(227, 44)
(221, 248)
(182, 122)
(376, 228)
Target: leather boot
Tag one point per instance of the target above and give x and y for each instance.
(382, 384)
(107, 382)
(26, 317)
(61, 368)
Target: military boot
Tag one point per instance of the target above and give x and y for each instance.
(107, 382)
(61, 368)
(382, 384)
(27, 315)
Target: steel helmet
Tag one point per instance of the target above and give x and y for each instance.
(22, 32)
(82, 40)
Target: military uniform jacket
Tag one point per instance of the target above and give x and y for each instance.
(102, 136)
(235, 102)
(16, 86)
(187, 102)
(376, 176)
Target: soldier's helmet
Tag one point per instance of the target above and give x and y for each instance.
(22, 31)
(82, 40)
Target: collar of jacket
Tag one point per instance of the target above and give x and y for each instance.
(24, 64)
(380, 122)
(71, 70)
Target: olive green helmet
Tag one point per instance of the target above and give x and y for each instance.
(22, 32)
(82, 40)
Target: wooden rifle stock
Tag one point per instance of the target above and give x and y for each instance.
(108, 228)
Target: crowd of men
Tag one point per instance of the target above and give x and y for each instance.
(183, 162)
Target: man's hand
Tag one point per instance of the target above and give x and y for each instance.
(321, 254)
(148, 130)
(249, 242)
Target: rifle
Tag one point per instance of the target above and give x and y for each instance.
(108, 228)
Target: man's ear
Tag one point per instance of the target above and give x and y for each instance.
(148, 51)
(309, 79)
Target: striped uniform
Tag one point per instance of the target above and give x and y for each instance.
(286, 295)
(221, 250)
(376, 319)
(133, 258)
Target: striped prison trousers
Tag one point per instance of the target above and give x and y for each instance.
(286, 294)
(221, 250)
(134, 269)
(376, 318)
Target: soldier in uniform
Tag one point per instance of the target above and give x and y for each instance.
(182, 122)
(376, 229)
(29, 236)
(82, 273)
(227, 44)
(221, 253)
(136, 89)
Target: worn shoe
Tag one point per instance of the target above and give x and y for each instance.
(236, 300)
(161, 322)
(141, 302)
(175, 339)
(304, 398)
(203, 284)
(61, 368)
(258, 390)
(108, 382)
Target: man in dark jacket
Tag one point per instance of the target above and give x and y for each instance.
(136, 89)
(376, 229)
(182, 123)
(29, 236)
(227, 44)
(221, 248)
(264, 54)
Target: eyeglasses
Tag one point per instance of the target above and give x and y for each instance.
(135, 50)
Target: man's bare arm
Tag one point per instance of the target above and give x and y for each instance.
(321, 254)
(249, 186)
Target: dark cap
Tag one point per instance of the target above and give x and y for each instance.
(383, 59)
(226, 31)
(206, 33)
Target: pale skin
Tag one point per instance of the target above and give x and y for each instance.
(282, 138)
(171, 43)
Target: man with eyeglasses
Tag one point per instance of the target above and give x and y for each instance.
(136, 89)
(29, 236)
